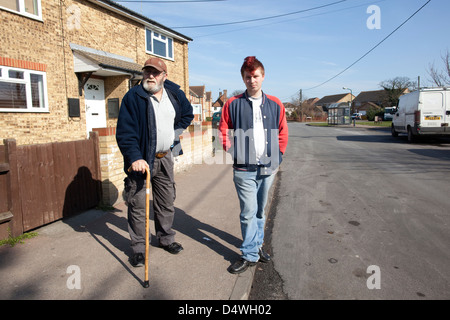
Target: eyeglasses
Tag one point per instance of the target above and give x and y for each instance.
(151, 71)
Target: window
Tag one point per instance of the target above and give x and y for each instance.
(22, 90)
(29, 8)
(113, 108)
(158, 44)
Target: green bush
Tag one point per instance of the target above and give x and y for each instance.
(372, 112)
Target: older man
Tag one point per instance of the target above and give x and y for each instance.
(151, 118)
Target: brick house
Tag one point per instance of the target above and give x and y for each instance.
(326, 101)
(378, 99)
(65, 65)
(220, 102)
(201, 101)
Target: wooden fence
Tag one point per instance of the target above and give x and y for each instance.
(43, 183)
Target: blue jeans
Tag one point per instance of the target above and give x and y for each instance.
(252, 190)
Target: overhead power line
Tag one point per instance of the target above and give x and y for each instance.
(288, 20)
(373, 48)
(167, 1)
(258, 19)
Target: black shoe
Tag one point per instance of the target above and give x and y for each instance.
(240, 266)
(264, 256)
(173, 248)
(137, 260)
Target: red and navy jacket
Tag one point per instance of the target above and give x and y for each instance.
(236, 132)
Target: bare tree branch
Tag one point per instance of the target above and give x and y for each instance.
(441, 78)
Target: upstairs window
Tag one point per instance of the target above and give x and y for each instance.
(22, 90)
(29, 8)
(158, 44)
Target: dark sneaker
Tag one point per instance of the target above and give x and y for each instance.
(137, 260)
(173, 248)
(264, 256)
(240, 266)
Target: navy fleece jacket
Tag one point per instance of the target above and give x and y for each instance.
(136, 127)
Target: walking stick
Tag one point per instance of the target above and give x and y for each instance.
(147, 224)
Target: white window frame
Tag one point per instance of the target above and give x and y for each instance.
(156, 35)
(4, 77)
(22, 11)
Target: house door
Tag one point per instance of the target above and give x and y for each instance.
(94, 97)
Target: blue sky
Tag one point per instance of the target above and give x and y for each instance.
(301, 51)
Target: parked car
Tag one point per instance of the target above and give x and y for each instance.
(215, 119)
(423, 112)
(389, 113)
(356, 116)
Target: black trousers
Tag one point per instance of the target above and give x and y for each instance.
(164, 194)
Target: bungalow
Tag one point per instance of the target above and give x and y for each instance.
(378, 99)
(326, 101)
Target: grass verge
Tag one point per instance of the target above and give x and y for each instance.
(12, 241)
(384, 124)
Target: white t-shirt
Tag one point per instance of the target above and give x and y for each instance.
(258, 128)
(164, 116)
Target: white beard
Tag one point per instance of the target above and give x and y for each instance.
(155, 87)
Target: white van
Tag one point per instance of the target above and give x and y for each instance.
(423, 112)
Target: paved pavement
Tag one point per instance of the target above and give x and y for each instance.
(86, 257)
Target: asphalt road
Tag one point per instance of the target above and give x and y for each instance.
(358, 214)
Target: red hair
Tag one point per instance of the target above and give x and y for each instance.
(251, 64)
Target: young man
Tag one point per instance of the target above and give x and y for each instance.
(151, 118)
(257, 123)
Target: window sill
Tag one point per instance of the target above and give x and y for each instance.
(23, 14)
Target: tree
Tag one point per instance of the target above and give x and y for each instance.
(372, 112)
(237, 92)
(297, 102)
(441, 78)
(302, 105)
(396, 87)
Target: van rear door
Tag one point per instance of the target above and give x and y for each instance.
(432, 110)
(446, 122)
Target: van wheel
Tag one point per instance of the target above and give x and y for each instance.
(411, 137)
(393, 132)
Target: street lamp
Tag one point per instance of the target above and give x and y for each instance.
(351, 101)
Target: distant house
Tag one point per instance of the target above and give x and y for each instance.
(370, 99)
(201, 102)
(308, 110)
(289, 107)
(312, 101)
(365, 106)
(326, 101)
(220, 102)
(378, 99)
(315, 111)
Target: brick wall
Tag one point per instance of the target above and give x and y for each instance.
(29, 43)
(195, 141)
(111, 164)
